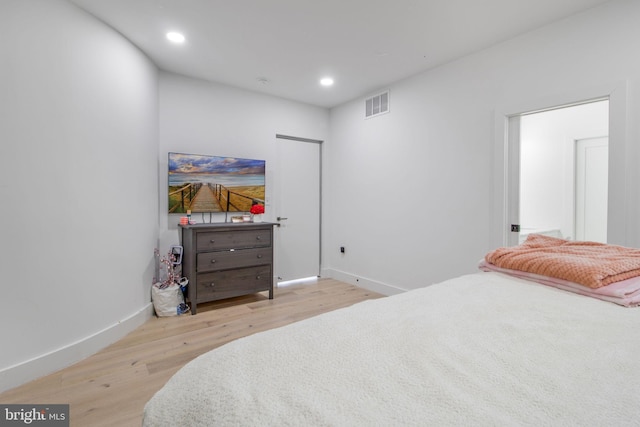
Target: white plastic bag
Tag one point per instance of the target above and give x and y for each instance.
(168, 301)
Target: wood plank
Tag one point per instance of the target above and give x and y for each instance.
(112, 386)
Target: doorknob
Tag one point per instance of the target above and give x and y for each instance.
(280, 218)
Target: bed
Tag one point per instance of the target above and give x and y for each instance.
(487, 348)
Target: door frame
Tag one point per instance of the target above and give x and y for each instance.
(320, 156)
(621, 209)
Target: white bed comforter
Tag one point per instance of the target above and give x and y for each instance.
(482, 349)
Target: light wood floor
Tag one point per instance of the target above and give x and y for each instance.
(111, 387)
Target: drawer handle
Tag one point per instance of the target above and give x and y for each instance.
(212, 241)
(258, 277)
(213, 261)
(211, 285)
(259, 255)
(257, 237)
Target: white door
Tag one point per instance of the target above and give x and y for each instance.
(297, 208)
(592, 170)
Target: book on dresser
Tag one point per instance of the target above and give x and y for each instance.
(225, 260)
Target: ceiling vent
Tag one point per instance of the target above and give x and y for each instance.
(376, 105)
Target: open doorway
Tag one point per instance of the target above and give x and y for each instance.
(563, 171)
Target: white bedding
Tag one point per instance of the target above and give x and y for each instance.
(482, 349)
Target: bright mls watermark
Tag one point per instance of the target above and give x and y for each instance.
(34, 415)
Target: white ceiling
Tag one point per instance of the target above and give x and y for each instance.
(363, 44)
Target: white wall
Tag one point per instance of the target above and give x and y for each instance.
(417, 194)
(78, 187)
(201, 117)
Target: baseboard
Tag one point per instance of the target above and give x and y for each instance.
(363, 282)
(19, 374)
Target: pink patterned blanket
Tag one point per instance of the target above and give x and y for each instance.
(590, 264)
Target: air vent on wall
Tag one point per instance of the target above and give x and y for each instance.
(376, 105)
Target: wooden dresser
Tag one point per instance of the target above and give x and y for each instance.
(224, 260)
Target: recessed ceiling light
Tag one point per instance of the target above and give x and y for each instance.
(175, 37)
(327, 81)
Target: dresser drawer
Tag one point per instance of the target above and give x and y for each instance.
(220, 260)
(230, 283)
(233, 239)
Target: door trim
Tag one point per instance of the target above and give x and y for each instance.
(295, 138)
